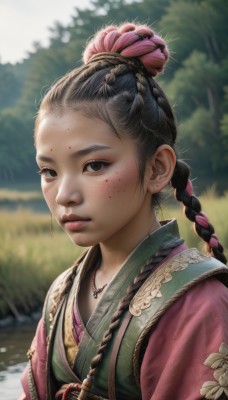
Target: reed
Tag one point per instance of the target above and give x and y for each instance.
(31, 256)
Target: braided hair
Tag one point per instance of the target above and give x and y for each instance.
(116, 84)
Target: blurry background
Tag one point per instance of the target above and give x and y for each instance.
(39, 42)
(196, 79)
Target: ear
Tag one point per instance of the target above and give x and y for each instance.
(160, 168)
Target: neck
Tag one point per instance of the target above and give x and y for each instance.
(113, 255)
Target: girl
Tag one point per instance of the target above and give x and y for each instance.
(139, 316)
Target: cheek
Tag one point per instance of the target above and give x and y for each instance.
(121, 182)
(47, 192)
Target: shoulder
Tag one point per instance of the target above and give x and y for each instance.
(188, 345)
(190, 336)
(172, 279)
(204, 303)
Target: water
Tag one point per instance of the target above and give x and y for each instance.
(14, 344)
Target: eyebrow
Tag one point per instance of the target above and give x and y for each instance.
(78, 153)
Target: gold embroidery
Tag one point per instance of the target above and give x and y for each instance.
(30, 352)
(31, 382)
(151, 288)
(55, 299)
(219, 362)
(69, 341)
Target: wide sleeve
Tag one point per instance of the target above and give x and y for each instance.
(34, 376)
(187, 354)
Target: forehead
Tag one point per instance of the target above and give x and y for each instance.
(73, 129)
(73, 123)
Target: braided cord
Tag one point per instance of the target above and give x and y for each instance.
(123, 307)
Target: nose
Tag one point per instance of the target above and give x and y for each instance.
(68, 193)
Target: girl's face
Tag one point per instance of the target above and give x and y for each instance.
(90, 179)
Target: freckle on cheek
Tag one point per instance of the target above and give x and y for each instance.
(50, 149)
(69, 147)
(106, 180)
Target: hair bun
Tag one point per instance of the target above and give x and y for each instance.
(133, 41)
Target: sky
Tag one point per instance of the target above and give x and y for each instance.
(23, 22)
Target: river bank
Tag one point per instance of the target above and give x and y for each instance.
(20, 320)
(14, 344)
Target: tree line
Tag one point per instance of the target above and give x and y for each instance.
(195, 80)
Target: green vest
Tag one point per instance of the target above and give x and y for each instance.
(164, 286)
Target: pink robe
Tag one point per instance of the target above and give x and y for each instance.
(173, 365)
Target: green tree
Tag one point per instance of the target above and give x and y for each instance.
(196, 78)
(10, 87)
(199, 78)
(46, 65)
(16, 147)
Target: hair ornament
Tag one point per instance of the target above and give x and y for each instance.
(202, 219)
(132, 41)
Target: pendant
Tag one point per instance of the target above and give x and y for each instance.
(94, 293)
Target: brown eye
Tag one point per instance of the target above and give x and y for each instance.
(95, 166)
(48, 172)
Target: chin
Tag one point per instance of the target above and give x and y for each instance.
(82, 241)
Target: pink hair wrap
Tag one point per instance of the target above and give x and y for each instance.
(202, 220)
(130, 41)
(213, 241)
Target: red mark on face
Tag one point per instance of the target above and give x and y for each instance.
(106, 180)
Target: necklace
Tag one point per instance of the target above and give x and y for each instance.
(96, 291)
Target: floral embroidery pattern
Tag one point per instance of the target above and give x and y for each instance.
(219, 362)
(151, 288)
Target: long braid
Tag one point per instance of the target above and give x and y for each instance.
(193, 211)
(121, 309)
(184, 190)
(62, 290)
(134, 105)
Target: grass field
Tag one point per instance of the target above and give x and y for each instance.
(31, 257)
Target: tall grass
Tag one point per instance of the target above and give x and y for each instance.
(12, 195)
(30, 257)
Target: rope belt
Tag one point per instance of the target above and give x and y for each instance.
(72, 391)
